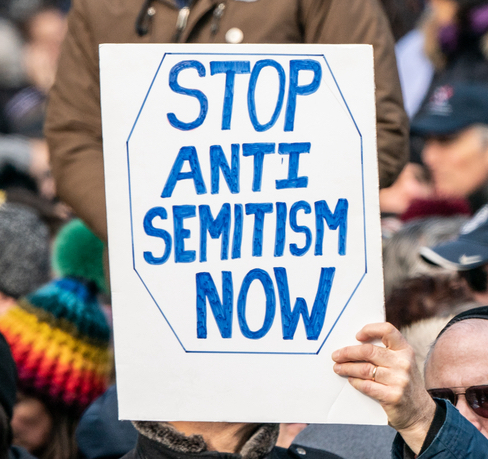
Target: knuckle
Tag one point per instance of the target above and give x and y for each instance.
(406, 365)
(396, 395)
(365, 371)
(367, 386)
(369, 351)
(394, 331)
(403, 384)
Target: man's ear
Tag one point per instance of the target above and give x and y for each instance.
(6, 302)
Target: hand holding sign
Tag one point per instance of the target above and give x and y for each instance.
(389, 375)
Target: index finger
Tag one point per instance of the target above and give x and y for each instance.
(385, 332)
(362, 353)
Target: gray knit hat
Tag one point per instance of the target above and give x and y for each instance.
(24, 250)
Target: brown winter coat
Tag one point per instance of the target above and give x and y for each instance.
(73, 125)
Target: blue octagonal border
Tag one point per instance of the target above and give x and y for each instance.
(362, 191)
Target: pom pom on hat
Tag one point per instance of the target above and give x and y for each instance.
(77, 252)
(59, 339)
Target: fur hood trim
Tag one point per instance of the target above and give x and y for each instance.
(259, 445)
(261, 442)
(168, 436)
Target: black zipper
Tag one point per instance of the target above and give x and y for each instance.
(217, 15)
(144, 18)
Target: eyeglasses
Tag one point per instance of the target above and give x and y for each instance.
(476, 396)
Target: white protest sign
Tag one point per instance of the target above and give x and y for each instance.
(244, 234)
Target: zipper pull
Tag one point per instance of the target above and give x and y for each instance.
(144, 19)
(181, 22)
(217, 14)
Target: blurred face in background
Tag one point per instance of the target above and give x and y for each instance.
(45, 33)
(444, 11)
(458, 163)
(31, 424)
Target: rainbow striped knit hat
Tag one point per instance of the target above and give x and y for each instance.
(59, 339)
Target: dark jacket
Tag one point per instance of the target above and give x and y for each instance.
(16, 452)
(100, 434)
(150, 449)
(456, 439)
(349, 440)
(73, 125)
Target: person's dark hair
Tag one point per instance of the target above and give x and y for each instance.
(476, 278)
(5, 434)
(402, 15)
(423, 297)
(49, 212)
(11, 176)
(62, 441)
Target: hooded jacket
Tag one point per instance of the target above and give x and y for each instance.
(73, 124)
(159, 440)
(100, 435)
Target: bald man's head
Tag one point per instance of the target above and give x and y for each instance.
(459, 360)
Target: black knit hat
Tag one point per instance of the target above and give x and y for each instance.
(24, 250)
(8, 378)
(475, 313)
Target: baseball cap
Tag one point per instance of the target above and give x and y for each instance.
(468, 251)
(451, 108)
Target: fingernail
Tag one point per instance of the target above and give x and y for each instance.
(337, 368)
(335, 354)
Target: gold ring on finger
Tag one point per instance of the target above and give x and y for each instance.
(374, 373)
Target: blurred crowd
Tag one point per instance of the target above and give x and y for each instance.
(54, 300)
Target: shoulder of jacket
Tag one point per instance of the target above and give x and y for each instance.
(302, 452)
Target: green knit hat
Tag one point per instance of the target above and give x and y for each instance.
(77, 252)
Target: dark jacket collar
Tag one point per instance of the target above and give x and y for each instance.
(151, 449)
(163, 434)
